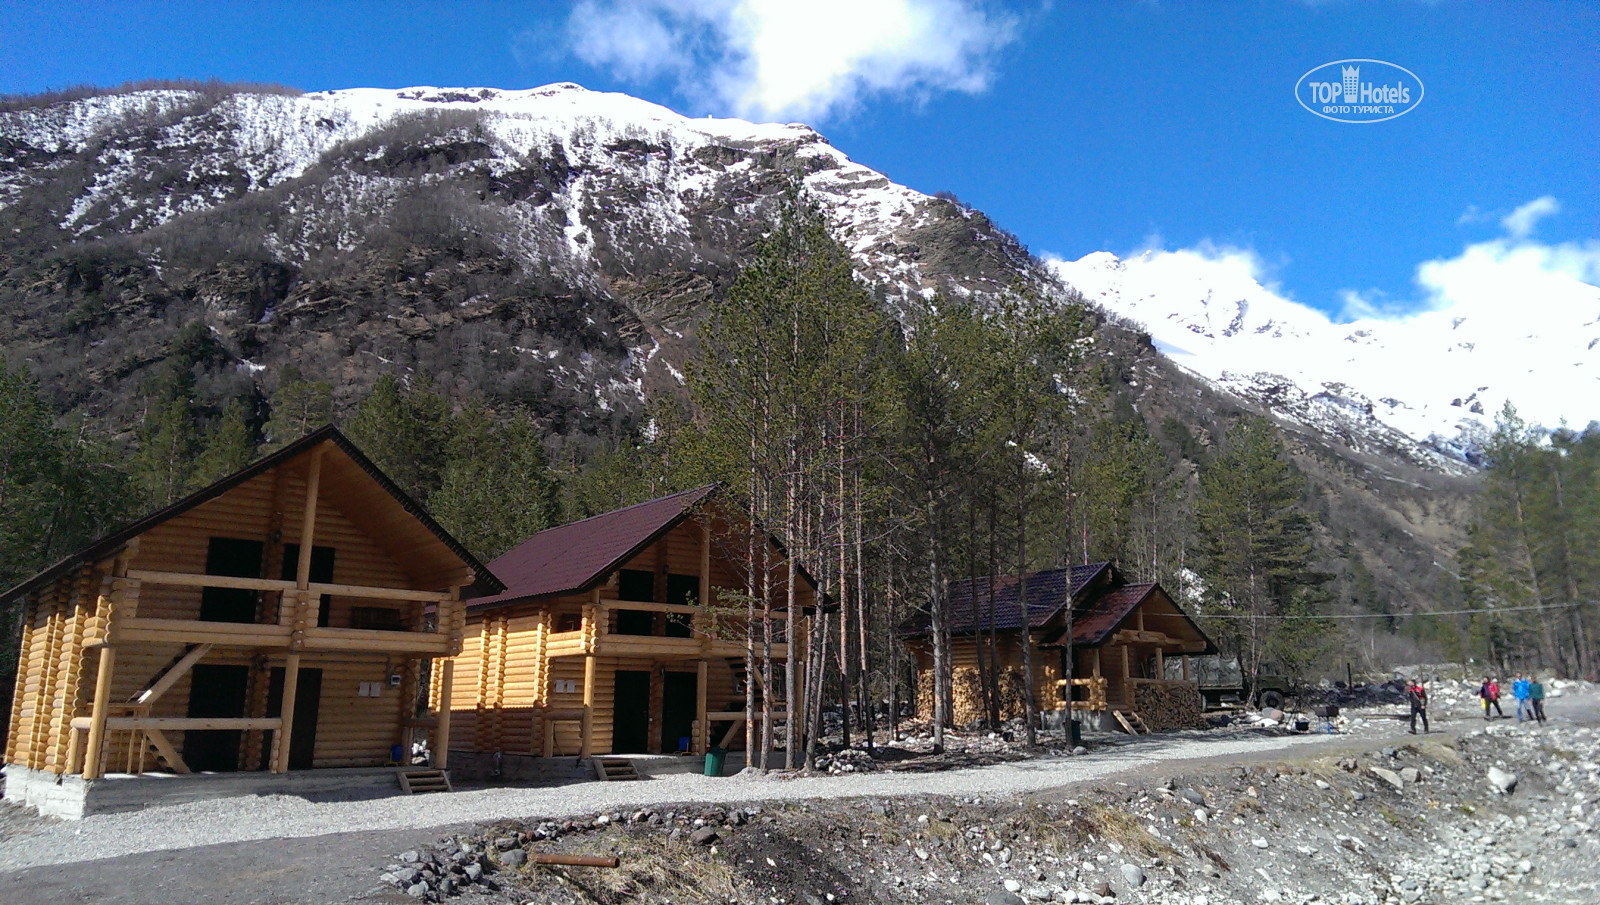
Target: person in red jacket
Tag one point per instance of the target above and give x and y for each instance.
(1490, 692)
(1418, 698)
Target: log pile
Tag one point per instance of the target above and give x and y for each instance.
(1173, 705)
(966, 694)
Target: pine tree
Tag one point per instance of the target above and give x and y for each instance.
(406, 431)
(229, 447)
(497, 489)
(1254, 536)
(298, 407)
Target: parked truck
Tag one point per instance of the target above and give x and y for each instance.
(1223, 682)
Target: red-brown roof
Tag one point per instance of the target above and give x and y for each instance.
(573, 558)
(1092, 624)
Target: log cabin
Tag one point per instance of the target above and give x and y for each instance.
(1121, 634)
(622, 633)
(278, 620)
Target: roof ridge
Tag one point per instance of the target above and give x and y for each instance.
(620, 509)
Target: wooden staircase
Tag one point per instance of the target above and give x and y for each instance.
(615, 769)
(415, 782)
(1132, 722)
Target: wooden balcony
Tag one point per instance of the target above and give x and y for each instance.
(596, 637)
(118, 621)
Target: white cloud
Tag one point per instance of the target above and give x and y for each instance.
(767, 59)
(1520, 222)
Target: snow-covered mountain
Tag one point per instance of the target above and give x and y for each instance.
(1436, 378)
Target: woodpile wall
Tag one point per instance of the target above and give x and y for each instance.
(1174, 705)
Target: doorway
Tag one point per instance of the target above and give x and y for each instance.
(215, 691)
(303, 731)
(630, 712)
(679, 692)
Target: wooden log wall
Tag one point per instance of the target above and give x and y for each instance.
(248, 512)
(65, 621)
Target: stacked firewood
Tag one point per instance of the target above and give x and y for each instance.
(966, 694)
(1168, 706)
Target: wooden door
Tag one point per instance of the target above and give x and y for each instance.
(215, 691)
(307, 704)
(630, 713)
(678, 702)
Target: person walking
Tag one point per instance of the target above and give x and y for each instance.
(1418, 698)
(1536, 698)
(1489, 691)
(1519, 690)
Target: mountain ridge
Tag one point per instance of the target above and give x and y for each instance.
(551, 249)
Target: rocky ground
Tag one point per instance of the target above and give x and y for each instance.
(1501, 813)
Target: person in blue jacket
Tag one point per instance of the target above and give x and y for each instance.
(1519, 690)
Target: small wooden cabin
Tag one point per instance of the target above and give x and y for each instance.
(619, 634)
(1121, 635)
(277, 620)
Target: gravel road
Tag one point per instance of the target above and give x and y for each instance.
(281, 816)
(273, 849)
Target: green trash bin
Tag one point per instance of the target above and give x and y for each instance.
(714, 759)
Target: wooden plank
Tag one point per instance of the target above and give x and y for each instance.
(168, 753)
(193, 631)
(192, 580)
(352, 590)
(158, 723)
(375, 641)
(701, 732)
(171, 676)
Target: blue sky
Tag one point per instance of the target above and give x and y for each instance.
(1078, 126)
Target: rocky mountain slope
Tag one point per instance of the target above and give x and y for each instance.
(1428, 384)
(552, 248)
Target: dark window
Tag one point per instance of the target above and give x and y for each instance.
(321, 573)
(636, 584)
(682, 589)
(379, 618)
(569, 622)
(234, 558)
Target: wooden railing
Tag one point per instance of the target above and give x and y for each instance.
(596, 637)
(129, 626)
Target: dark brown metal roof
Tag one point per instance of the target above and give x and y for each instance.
(114, 541)
(1048, 591)
(573, 558)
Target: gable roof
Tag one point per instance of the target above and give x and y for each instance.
(1048, 591)
(1094, 622)
(391, 493)
(573, 558)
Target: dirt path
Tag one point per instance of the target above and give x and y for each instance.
(286, 851)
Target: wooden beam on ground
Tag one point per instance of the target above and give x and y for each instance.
(573, 860)
(93, 764)
(170, 678)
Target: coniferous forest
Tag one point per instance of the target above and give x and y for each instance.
(892, 453)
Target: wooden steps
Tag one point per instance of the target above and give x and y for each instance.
(416, 782)
(1132, 723)
(615, 769)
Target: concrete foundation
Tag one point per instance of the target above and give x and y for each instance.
(72, 798)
